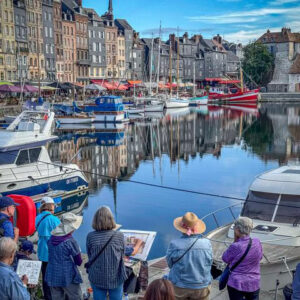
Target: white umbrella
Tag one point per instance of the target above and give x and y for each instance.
(95, 87)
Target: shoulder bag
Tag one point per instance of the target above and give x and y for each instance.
(89, 263)
(226, 273)
(40, 221)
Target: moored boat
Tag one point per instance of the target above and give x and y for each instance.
(195, 101)
(273, 205)
(105, 109)
(176, 103)
(241, 97)
(30, 171)
(75, 119)
(30, 128)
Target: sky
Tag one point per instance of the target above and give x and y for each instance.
(235, 20)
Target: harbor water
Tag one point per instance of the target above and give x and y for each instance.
(153, 170)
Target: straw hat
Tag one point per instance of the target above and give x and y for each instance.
(69, 223)
(189, 224)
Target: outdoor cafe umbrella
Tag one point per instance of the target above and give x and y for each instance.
(10, 88)
(29, 88)
(5, 83)
(95, 87)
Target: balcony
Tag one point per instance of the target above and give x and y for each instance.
(23, 50)
(83, 62)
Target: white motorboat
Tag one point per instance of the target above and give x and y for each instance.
(146, 106)
(30, 128)
(31, 172)
(75, 118)
(273, 205)
(176, 103)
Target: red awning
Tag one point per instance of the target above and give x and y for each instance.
(110, 85)
(229, 81)
(132, 82)
(213, 79)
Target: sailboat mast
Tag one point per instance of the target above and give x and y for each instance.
(241, 77)
(38, 55)
(158, 60)
(170, 66)
(151, 62)
(178, 49)
(194, 80)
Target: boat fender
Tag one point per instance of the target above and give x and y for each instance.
(26, 214)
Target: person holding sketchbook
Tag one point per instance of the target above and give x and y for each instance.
(11, 286)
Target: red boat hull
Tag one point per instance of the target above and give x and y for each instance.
(239, 97)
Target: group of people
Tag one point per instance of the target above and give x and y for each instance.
(189, 258)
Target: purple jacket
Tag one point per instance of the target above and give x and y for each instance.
(246, 276)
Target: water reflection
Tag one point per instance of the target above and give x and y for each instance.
(212, 149)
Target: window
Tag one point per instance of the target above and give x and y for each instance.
(23, 158)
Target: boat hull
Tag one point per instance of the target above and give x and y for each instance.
(176, 103)
(110, 118)
(241, 97)
(198, 101)
(42, 185)
(66, 120)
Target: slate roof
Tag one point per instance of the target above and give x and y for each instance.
(231, 56)
(92, 11)
(295, 68)
(123, 24)
(284, 36)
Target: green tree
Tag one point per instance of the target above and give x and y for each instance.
(258, 63)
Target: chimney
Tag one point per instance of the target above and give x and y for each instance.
(79, 3)
(218, 38)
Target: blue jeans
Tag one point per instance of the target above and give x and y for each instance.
(114, 294)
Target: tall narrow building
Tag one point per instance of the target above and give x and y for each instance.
(111, 43)
(2, 60)
(36, 58)
(69, 44)
(96, 45)
(8, 40)
(21, 39)
(48, 36)
(58, 40)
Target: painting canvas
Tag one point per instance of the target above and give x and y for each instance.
(30, 268)
(140, 242)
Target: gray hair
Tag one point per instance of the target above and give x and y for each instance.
(7, 248)
(103, 219)
(244, 225)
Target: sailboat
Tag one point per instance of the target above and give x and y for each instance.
(175, 102)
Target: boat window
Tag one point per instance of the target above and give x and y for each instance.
(288, 209)
(34, 154)
(8, 157)
(23, 158)
(260, 206)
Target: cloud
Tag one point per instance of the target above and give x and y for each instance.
(168, 30)
(245, 16)
(282, 2)
(246, 36)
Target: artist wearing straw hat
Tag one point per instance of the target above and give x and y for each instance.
(190, 258)
(62, 274)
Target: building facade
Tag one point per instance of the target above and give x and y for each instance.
(96, 45)
(69, 46)
(121, 58)
(8, 40)
(82, 47)
(21, 39)
(36, 59)
(58, 40)
(48, 35)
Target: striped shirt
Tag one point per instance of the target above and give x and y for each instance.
(108, 271)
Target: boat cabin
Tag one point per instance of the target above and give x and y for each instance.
(109, 103)
(24, 157)
(273, 202)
